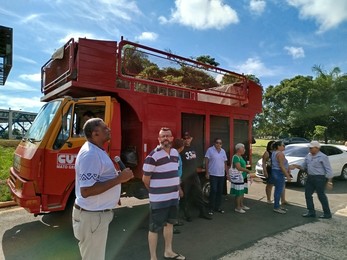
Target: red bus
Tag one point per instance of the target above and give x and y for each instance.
(136, 90)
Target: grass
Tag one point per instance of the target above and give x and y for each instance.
(258, 150)
(7, 148)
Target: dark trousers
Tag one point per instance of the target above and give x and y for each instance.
(316, 183)
(192, 194)
(216, 191)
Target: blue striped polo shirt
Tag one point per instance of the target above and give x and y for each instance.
(163, 169)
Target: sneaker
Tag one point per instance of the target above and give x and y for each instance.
(240, 211)
(280, 211)
(325, 216)
(285, 209)
(188, 219)
(176, 231)
(205, 216)
(309, 215)
(220, 211)
(179, 223)
(245, 208)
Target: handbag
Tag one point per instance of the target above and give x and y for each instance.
(235, 176)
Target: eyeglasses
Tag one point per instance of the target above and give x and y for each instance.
(165, 136)
(218, 142)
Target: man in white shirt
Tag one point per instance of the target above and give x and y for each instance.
(97, 191)
(216, 167)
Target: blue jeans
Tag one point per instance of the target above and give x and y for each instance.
(216, 190)
(277, 178)
(316, 183)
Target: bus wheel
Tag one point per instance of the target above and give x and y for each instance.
(205, 187)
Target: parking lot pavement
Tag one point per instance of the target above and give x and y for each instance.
(322, 239)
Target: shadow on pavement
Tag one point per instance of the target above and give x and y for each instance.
(52, 236)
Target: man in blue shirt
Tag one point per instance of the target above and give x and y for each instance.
(216, 166)
(320, 176)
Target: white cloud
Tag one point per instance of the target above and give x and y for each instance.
(17, 85)
(163, 20)
(257, 6)
(31, 77)
(256, 67)
(202, 14)
(24, 59)
(328, 14)
(76, 35)
(149, 36)
(295, 52)
(32, 104)
(105, 10)
(30, 18)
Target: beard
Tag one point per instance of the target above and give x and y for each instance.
(166, 144)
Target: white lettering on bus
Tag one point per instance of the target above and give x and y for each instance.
(66, 161)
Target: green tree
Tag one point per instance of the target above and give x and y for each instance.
(297, 105)
(229, 79)
(319, 132)
(207, 59)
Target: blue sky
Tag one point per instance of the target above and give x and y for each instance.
(272, 39)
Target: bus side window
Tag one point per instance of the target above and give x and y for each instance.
(64, 132)
(81, 114)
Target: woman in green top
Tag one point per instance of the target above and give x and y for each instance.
(239, 189)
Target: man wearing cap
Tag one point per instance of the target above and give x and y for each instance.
(190, 180)
(320, 176)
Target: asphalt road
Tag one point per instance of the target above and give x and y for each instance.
(258, 234)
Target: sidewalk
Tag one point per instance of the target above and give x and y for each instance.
(322, 239)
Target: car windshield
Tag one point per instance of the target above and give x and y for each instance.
(296, 151)
(42, 121)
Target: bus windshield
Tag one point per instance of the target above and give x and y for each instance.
(42, 121)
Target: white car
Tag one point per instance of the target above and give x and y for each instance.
(295, 154)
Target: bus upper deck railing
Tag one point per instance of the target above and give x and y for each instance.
(142, 69)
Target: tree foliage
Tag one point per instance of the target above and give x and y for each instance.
(207, 59)
(297, 105)
(140, 64)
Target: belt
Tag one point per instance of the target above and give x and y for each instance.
(82, 209)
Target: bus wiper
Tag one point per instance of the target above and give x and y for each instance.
(33, 140)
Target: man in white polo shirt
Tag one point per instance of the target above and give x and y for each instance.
(216, 167)
(97, 191)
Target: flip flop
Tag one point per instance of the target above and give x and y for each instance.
(177, 257)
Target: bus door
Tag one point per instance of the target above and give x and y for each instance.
(195, 125)
(64, 145)
(241, 128)
(220, 128)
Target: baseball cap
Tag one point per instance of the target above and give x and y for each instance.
(186, 134)
(314, 144)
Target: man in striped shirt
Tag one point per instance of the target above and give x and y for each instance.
(162, 181)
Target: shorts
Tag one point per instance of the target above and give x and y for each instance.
(270, 180)
(158, 218)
